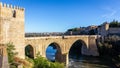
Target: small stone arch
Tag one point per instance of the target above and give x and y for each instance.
(29, 51)
(77, 47)
(58, 52)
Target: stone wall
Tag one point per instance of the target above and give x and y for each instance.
(114, 30)
(12, 27)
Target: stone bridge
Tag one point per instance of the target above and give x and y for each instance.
(12, 30)
(63, 44)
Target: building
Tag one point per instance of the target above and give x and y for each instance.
(105, 30)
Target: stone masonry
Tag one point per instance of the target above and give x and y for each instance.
(12, 26)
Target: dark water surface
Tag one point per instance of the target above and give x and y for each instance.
(89, 62)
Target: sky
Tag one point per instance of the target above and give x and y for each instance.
(60, 15)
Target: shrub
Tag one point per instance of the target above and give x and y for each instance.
(41, 62)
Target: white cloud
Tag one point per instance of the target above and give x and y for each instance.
(110, 12)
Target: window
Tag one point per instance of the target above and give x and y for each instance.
(14, 13)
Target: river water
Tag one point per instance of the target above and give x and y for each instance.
(89, 62)
(82, 61)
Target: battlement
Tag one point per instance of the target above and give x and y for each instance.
(9, 11)
(4, 5)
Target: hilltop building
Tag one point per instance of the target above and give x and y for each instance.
(82, 30)
(105, 30)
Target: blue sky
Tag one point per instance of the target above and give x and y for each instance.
(60, 15)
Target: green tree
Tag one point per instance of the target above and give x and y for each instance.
(41, 62)
(114, 23)
(92, 32)
(11, 52)
(73, 29)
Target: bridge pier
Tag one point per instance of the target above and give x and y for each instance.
(64, 59)
(67, 59)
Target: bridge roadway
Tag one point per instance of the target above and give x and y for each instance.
(63, 44)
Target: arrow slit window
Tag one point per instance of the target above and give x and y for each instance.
(14, 13)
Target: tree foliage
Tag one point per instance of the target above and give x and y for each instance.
(110, 48)
(41, 62)
(110, 44)
(92, 32)
(73, 29)
(11, 52)
(114, 23)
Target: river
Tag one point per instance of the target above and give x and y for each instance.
(89, 62)
(83, 61)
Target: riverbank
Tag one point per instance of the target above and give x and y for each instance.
(114, 62)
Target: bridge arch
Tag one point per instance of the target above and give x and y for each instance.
(57, 53)
(77, 49)
(29, 51)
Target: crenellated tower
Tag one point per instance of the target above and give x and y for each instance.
(12, 26)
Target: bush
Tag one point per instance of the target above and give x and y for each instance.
(41, 62)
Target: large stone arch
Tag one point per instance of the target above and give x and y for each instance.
(58, 53)
(73, 41)
(30, 51)
(79, 45)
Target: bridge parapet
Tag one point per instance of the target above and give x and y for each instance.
(70, 36)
